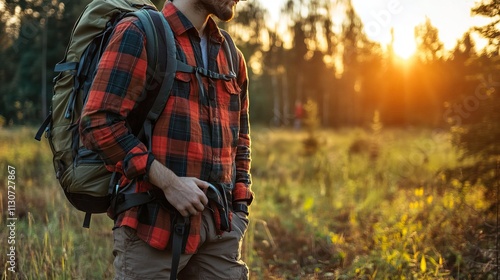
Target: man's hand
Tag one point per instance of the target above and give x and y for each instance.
(186, 194)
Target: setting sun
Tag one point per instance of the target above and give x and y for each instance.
(404, 44)
(451, 18)
(404, 49)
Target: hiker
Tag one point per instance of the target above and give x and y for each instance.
(202, 137)
(298, 115)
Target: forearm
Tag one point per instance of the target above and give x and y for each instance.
(160, 176)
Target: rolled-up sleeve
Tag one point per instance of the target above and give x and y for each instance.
(242, 189)
(116, 90)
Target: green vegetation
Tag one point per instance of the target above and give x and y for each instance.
(373, 203)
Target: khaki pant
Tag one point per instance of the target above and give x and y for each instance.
(219, 257)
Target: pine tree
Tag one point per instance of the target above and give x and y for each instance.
(480, 131)
(25, 62)
(490, 31)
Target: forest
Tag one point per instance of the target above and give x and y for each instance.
(331, 63)
(401, 156)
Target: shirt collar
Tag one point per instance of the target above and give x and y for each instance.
(181, 24)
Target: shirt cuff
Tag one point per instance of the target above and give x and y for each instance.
(137, 163)
(242, 192)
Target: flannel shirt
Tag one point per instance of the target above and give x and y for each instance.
(196, 135)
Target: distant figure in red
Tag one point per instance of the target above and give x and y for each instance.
(298, 114)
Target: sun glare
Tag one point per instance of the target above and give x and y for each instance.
(404, 48)
(452, 18)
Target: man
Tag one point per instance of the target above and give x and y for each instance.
(202, 136)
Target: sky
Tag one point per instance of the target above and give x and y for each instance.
(451, 17)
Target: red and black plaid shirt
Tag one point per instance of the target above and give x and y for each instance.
(194, 136)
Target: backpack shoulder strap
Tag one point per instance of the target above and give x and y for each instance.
(161, 68)
(152, 42)
(231, 52)
(167, 63)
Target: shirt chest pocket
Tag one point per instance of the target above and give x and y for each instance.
(229, 95)
(181, 87)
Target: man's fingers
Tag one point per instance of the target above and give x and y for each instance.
(204, 199)
(204, 187)
(201, 184)
(199, 206)
(188, 211)
(200, 202)
(193, 207)
(196, 208)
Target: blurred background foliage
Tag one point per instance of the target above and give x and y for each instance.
(333, 64)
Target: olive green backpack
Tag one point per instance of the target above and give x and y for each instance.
(81, 173)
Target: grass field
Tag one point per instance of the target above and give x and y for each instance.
(360, 204)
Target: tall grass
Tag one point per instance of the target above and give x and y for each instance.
(364, 204)
(368, 204)
(50, 242)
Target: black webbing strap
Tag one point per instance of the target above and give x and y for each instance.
(43, 127)
(86, 220)
(199, 72)
(186, 68)
(179, 239)
(123, 202)
(66, 66)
